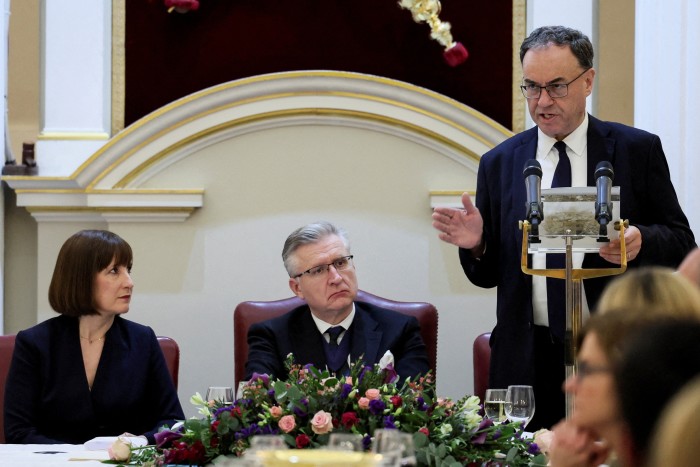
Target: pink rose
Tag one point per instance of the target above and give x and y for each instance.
(348, 380)
(372, 394)
(322, 423)
(363, 403)
(287, 423)
(276, 411)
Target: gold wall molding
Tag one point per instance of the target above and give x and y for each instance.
(113, 183)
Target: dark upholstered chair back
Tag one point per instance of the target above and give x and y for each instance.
(7, 348)
(248, 313)
(482, 360)
(171, 352)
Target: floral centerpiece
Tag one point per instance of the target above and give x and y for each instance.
(311, 404)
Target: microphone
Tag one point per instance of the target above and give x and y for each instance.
(533, 180)
(603, 202)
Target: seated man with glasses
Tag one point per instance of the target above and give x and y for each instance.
(331, 330)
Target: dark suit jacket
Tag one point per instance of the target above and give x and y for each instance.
(375, 330)
(648, 200)
(47, 399)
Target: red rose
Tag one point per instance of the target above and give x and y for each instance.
(396, 401)
(302, 441)
(425, 431)
(236, 412)
(349, 420)
(214, 426)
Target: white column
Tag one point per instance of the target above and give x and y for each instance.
(76, 83)
(577, 14)
(4, 28)
(667, 70)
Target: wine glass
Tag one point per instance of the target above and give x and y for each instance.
(494, 405)
(267, 443)
(221, 394)
(520, 404)
(396, 447)
(345, 442)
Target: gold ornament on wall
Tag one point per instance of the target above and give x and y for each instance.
(428, 11)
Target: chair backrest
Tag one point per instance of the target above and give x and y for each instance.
(171, 352)
(7, 348)
(249, 313)
(482, 361)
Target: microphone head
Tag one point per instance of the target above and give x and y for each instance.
(532, 167)
(604, 169)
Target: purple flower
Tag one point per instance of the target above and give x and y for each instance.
(480, 432)
(366, 442)
(533, 449)
(165, 437)
(218, 412)
(420, 404)
(302, 411)
(363, 371)
(389, 421)
(496, 434)
(262, 377)
(376, 407)
(390, 375)
(347, 388)
(485, 423)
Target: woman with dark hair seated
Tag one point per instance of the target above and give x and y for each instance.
(88, 372)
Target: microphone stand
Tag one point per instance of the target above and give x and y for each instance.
(574, 290)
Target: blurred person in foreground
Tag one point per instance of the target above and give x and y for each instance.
(527, 343)
(677, 435)
(597, 427)
(88, 372)
(331, 329)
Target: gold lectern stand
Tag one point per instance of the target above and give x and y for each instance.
(573, 279)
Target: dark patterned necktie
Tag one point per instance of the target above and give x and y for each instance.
(556, 288)
(335, 355)
(334, 332)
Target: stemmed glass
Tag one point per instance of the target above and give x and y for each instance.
(520, 404)
(220, 394)
(494, 405)
(345, 442)
(396, 447)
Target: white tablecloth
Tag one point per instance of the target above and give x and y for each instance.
(28, 455)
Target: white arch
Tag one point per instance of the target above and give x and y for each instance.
(109, 183)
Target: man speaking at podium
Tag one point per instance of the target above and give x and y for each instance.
(527, 342)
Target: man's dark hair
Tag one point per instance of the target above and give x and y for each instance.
(577, 41)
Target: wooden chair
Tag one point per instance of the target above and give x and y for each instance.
(171, 352)
(170, 349)
(248, 313)
(7, 348)
(482, 361)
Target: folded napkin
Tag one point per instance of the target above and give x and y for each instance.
(102, 443)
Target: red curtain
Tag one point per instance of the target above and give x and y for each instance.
(170, 55)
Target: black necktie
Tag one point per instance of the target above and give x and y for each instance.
(334, 332)
(556, 288)
(336, 356)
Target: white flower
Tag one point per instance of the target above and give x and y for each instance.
(386, 360)
(445, 429)
(471, 404)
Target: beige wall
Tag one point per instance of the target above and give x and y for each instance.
(616, 61)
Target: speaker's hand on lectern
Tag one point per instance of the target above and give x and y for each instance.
(633, 243)
(461, 227)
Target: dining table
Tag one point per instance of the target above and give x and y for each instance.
(58, 455)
